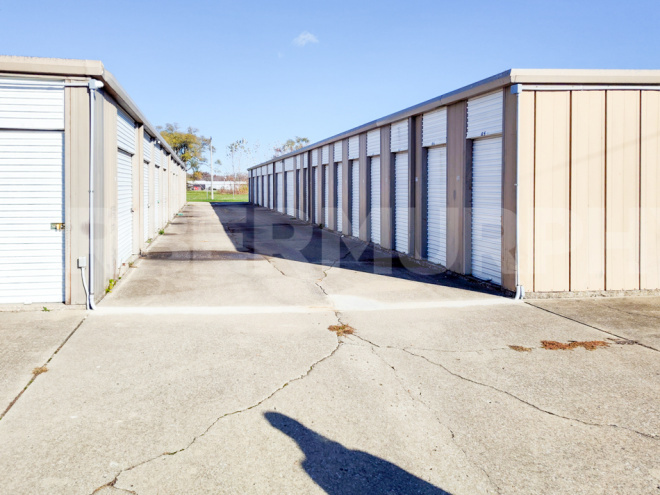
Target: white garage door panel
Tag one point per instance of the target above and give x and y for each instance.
(125, 132)
(436, 212)
(124, 206)
(401, 203)
(487, 209)
(280, 192)
(156, 198)
(375, 199)
(315, 201)
(326, 184)
(145, 202)
(340, 208)
(355, 200)
(484, 114)
(31, 104)
(289, 194)
(31, 253)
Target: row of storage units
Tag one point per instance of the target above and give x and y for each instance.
(535, 181)
(74, 148)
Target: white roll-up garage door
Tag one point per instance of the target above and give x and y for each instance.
(401, 203)
(124, 206)
(315, 201)
(375, 199)
(289, 194)
(145, 201)
(31, 199)
(156, 199)
(340, 207)
(487, 209)
(436, 203)
(326, 191)
(355, 199)
(280, 192)
(271, 191)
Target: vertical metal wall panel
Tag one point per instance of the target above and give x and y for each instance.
(525, 209)
(551, 192)
(373, 142)
(338, 147)
(399, 136)
(339, 189)
(280, 192)
(355, 198)
(31, 199)
(315, 200)
(622, 190)
(288, 164)
(354, 147)
(289, 194)
(587, 190)
(487, 209)
(31, 104)
(650, 195)
(434, 127)
(147, 148)
(436, 210)
(325, 155)
(375, 199)
(156, 199)
(401, 202)
(125, 132)
(145, 201)
(484, 115)
(124, 207)
(326, 193)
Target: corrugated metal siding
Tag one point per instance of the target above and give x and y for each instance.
(375, 199)
(305, 160)
(373, 142)
(354, 147)
(124, 207)
(156, 199)
(158, 155)
(145, 201)
(325, 152)
(355, 199)
(31, 104)
(436, 212)
(315, 158)
(288, 164)
(147, 148)
(289, 194)
(401, 206)
(485, 114)
(315, 200)
(399, 136)
(31, 198)
(434, 127)
(487, 209)
(125, 132)
(280, 192)
(338, 147)
(339, 189)
(326, 192)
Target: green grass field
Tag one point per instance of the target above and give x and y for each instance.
(205, 196)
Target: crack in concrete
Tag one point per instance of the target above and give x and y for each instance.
(430, 409)
(590, 326)
(457, 375)
(523, 401)
(232, 413)
(272, 263)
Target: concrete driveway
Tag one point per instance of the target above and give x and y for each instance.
(211, 368)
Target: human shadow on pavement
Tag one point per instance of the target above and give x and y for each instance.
(339, 470)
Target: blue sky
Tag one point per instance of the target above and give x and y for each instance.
(233, 70)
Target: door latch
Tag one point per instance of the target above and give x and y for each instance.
(57, 226)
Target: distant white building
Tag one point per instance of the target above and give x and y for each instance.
(218, 185)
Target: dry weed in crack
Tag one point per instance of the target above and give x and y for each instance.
(435, 415)
(519, 348)
(341, 329)
(233, 413)
(591, 345)
(587, 423)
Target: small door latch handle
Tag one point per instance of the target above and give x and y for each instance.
(57, 226)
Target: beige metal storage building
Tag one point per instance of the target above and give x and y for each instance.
(73, 142)
(541, 181)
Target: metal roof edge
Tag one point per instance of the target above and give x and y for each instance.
(84, 68)
(482, 86)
